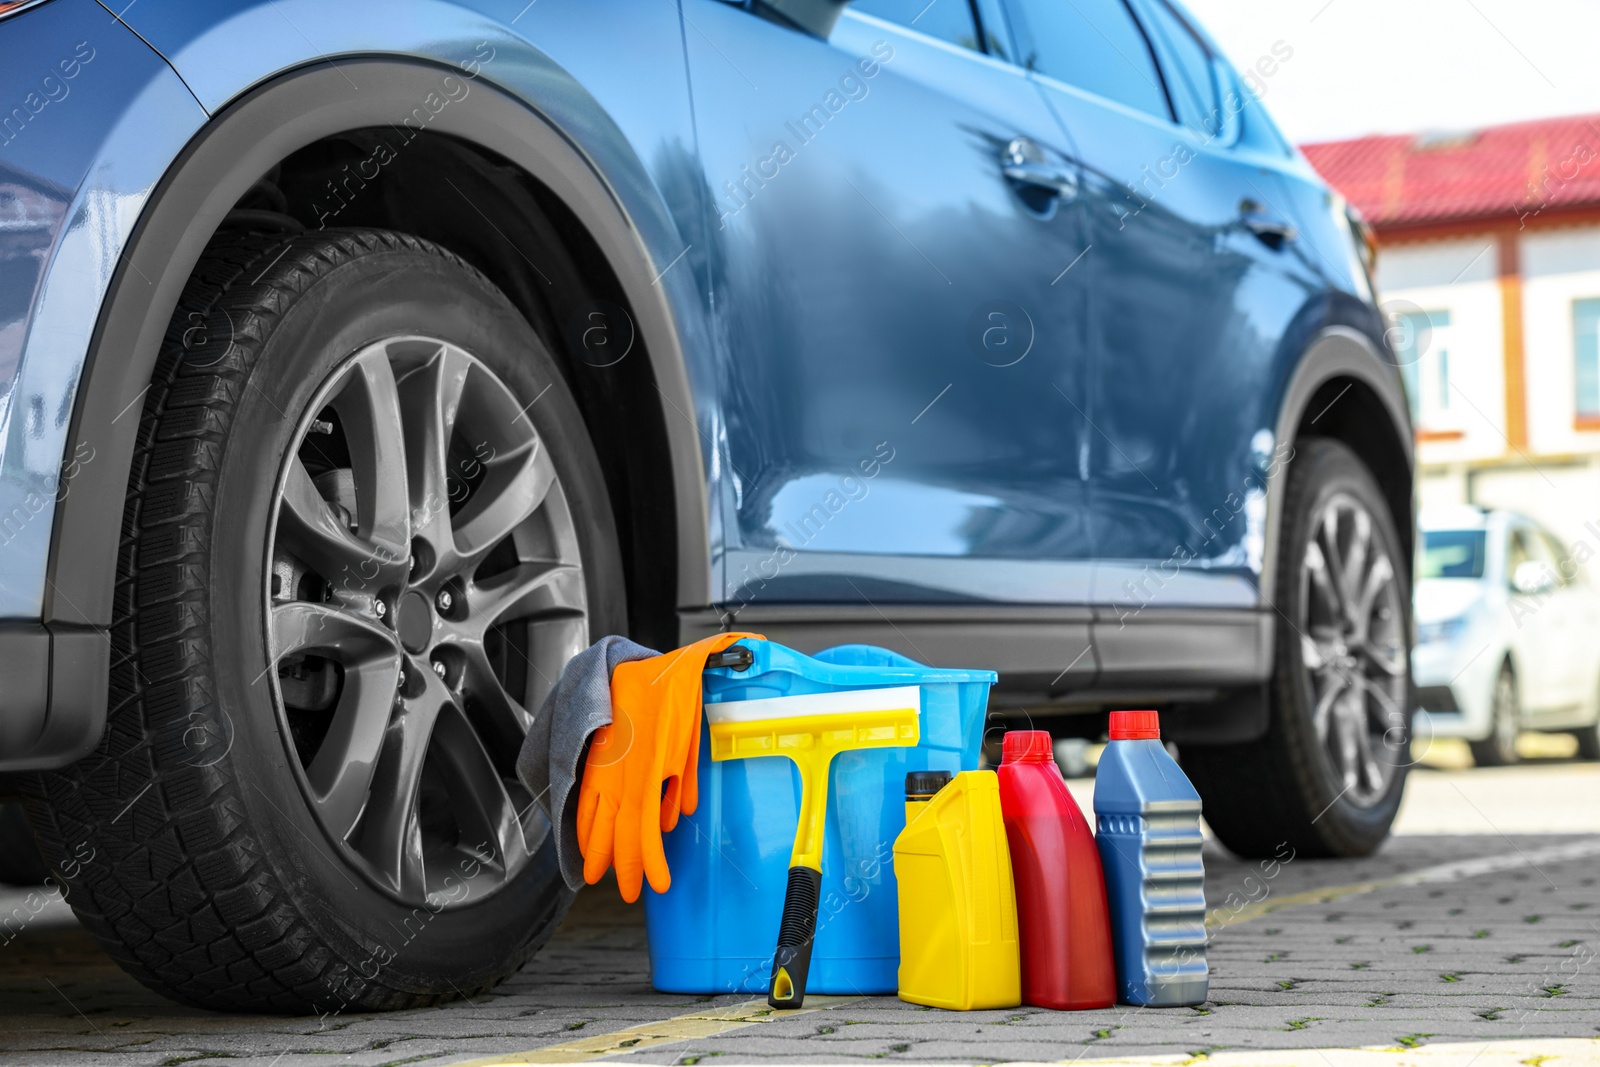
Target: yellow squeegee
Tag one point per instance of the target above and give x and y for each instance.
(810, 730)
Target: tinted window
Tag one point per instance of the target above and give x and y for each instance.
(948, 20)
(1095, 45)
(1191, 80)
(1452, 554)
(993, 23)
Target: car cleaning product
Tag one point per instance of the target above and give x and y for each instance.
(712, 932)
(958, 911)
(810, 729)
(1148, 831)
(1062, 923)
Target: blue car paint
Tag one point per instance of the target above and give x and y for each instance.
(892, 213)
(1188, 310)
(74, 174)
(856, 422)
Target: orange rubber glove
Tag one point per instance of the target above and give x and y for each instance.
(642, 769)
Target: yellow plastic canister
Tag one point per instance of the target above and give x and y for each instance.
(958, 908)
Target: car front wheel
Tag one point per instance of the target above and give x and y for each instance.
(1499, 749)
(364, 530)
(1328, 775)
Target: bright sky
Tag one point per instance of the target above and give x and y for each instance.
(1403, 66)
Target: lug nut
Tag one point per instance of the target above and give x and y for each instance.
(445, 600)
(378, 609)
(401, 684)
(438, 668)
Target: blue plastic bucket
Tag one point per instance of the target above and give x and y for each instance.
(714, 930)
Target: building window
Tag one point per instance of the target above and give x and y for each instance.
(1422, 347)
(1586, 357)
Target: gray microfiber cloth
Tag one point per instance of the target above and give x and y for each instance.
(558, 743)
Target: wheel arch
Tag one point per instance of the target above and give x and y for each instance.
(1343, 388)
(267, 126)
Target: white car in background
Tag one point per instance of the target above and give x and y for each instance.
(1508, 634)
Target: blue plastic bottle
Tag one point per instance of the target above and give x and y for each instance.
(1149, 840)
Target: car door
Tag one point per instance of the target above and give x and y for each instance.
(1572, 627)
(1536, 627)
(894, 236)
(1582, 624)
(1189, 301)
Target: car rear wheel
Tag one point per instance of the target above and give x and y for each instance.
(1589, 737)
(1328, 775)
(1499, 749)
(1588, 742)
(364, 530)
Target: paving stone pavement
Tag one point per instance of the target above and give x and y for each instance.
(1510, 954)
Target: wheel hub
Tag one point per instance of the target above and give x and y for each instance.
(414, 622)
(424, 569)
(1353, 649)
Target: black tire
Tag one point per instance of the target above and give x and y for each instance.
(1588, 742)
(1588, 739)
(212, 880)
(1284, 787)
(1499, 748)
(19, 856)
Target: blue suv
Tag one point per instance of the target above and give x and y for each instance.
(361, 362)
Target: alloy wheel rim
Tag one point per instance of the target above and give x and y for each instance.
(1353, 650)
(424, 588)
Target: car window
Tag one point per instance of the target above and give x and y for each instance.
(1092, 44)
(1561, 559)
(948, 20)
(1527, 546)
(992, 24)
(1187, 65)
(1517, 552)
(1452, 554)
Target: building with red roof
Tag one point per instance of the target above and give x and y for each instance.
(1416, 185)
(1489, 267)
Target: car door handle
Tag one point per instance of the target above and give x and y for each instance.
(1023, 163)
(1268, 228)
(1062, 183)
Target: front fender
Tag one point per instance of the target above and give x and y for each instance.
(153, 172)
(89, 119)
(1333, 352)
(74, 175)
(522, 106)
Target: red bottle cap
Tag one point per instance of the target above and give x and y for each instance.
(1134, 726)
(1026, 746)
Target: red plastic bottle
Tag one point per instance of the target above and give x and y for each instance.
(1063, 924)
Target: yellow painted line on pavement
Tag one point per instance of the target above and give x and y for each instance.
(1444, 872)
(707, 1023)
(1557, 1052)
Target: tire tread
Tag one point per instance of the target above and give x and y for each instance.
(1262, 794)
(178, 890)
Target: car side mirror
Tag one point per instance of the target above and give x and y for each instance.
(1532, 578)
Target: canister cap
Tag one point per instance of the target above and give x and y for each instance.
(923, 784)
(1135, 726)
(1026, 746)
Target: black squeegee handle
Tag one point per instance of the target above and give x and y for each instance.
(796, 934)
